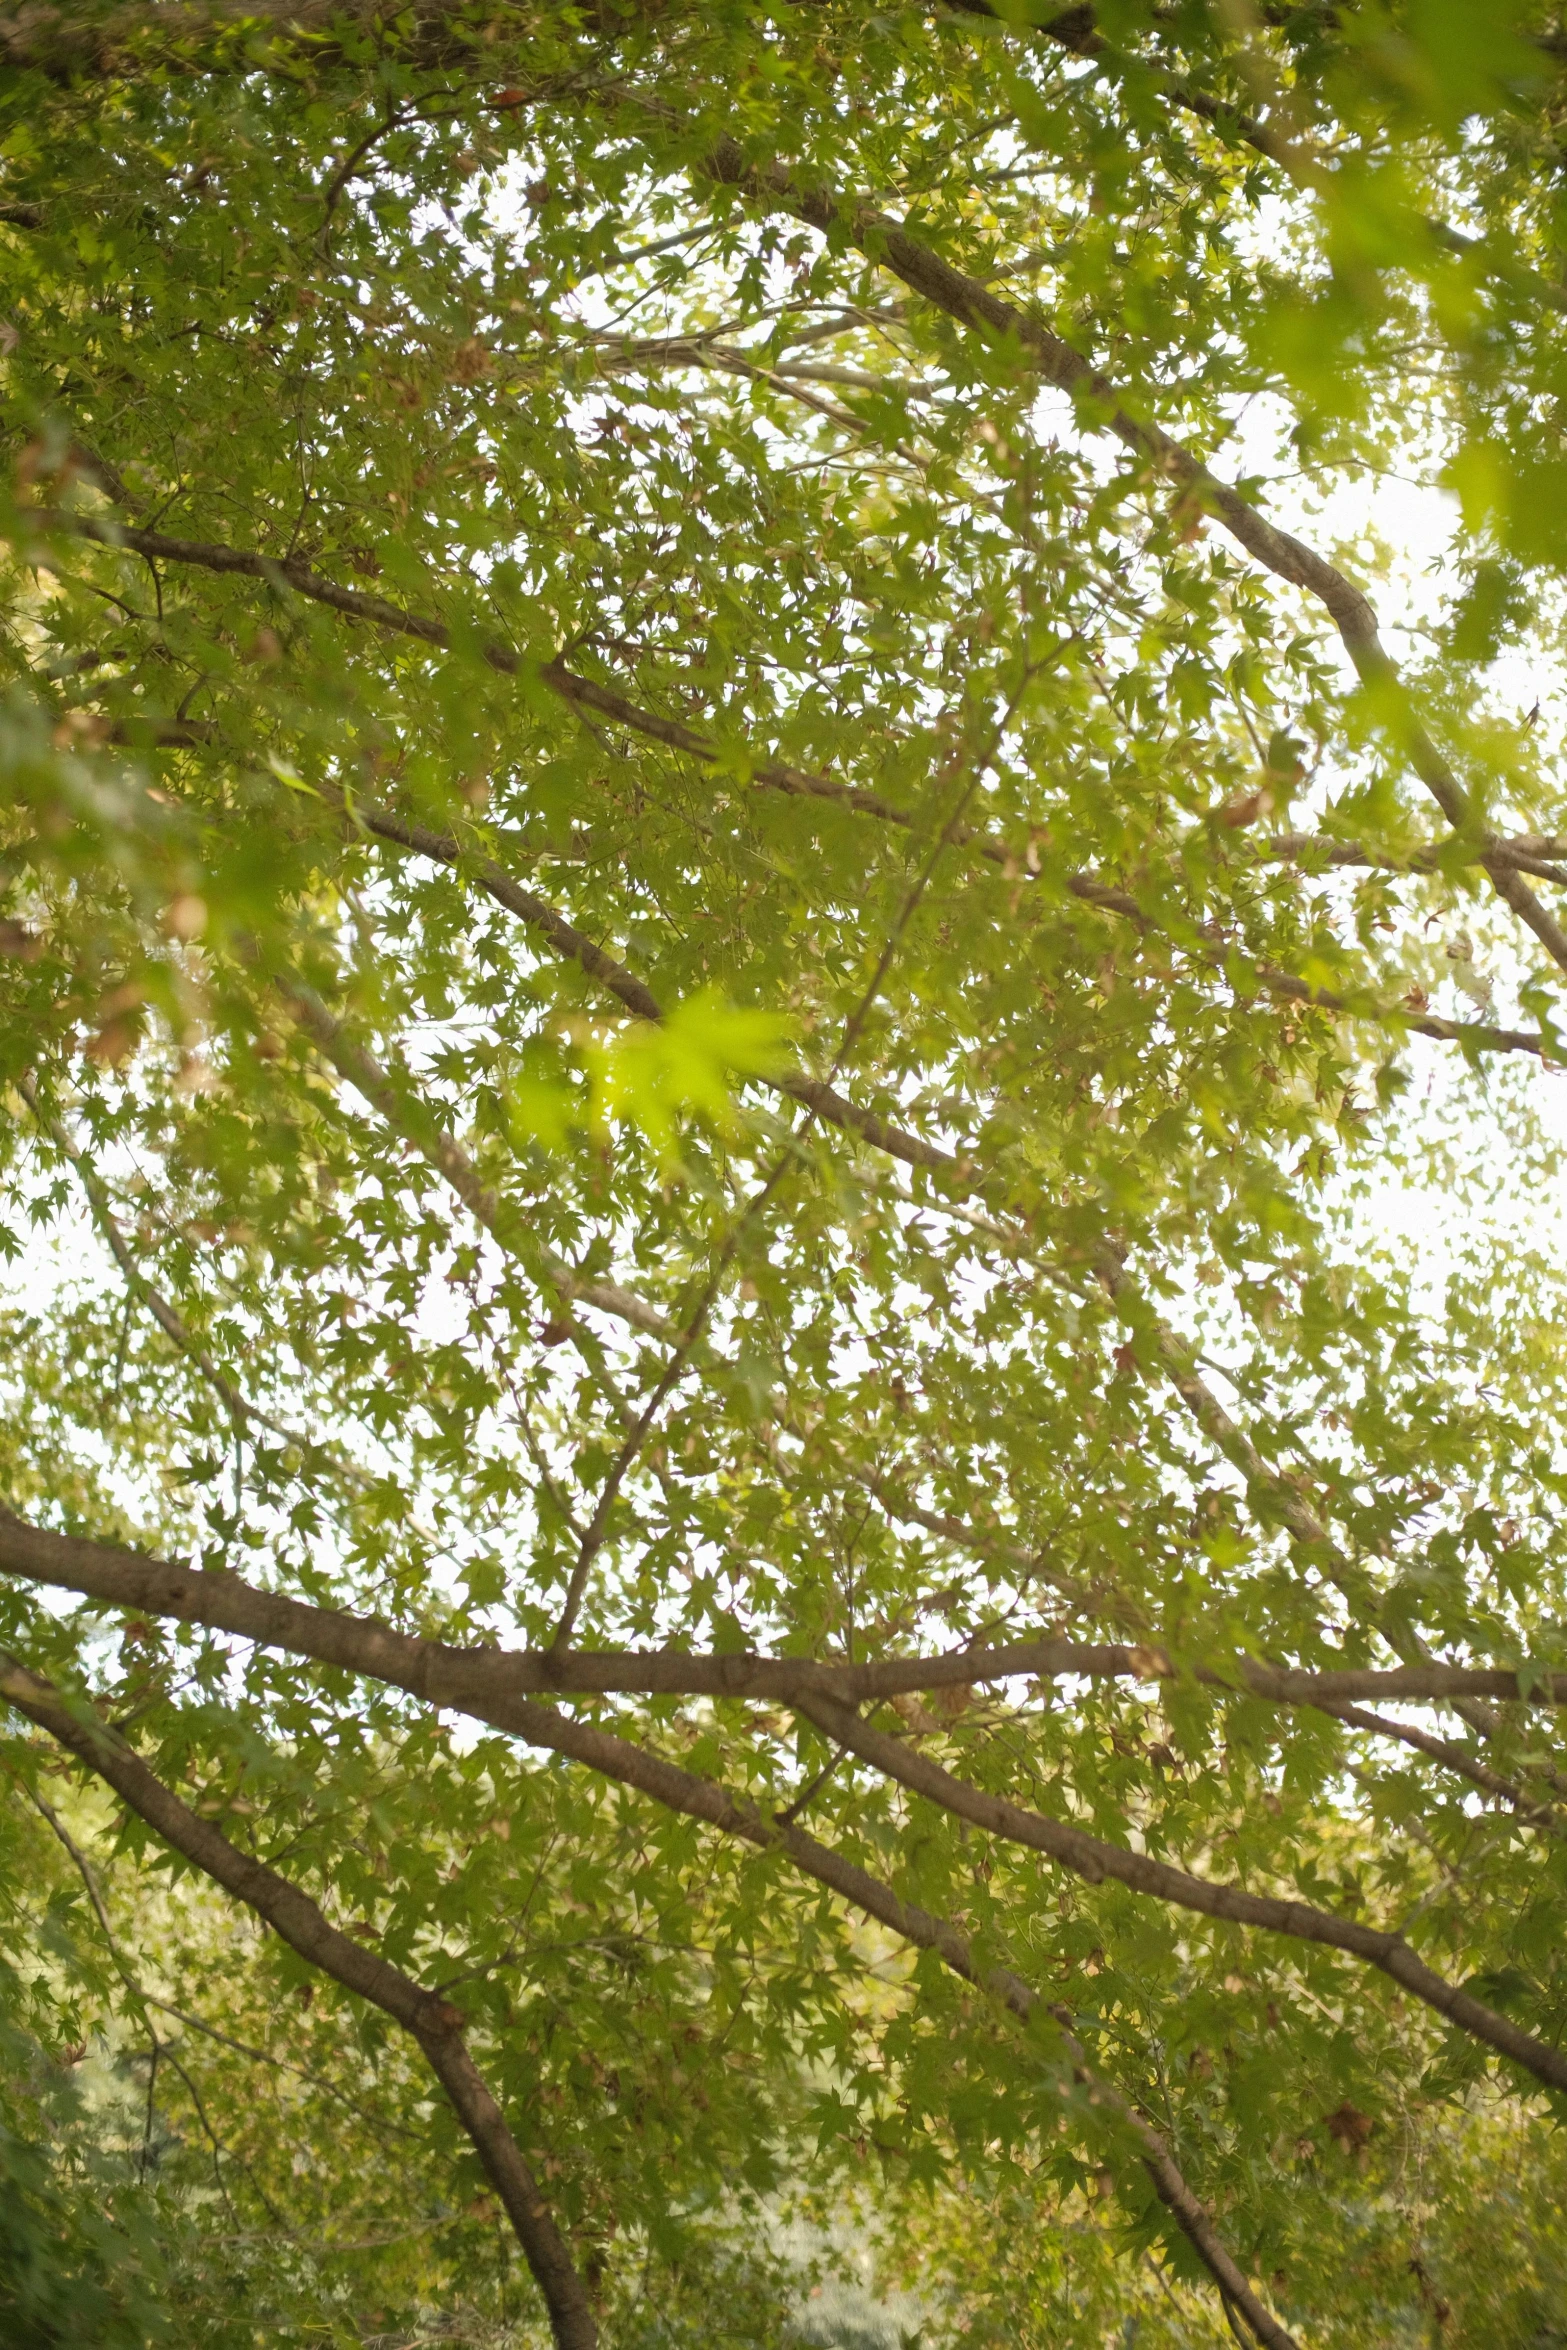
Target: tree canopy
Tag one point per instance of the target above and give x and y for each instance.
(782, 1448)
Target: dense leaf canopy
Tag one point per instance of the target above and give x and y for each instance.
(783, 1336)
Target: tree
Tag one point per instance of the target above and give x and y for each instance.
(728, 1504)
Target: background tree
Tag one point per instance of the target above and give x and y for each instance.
(740, 1536)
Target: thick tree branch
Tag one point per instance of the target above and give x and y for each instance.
(464, 1678)
(703, 1799)
(1531, 852)
(433, 2023)
(928, 1932)
(1092, 1859)
(403, 1661)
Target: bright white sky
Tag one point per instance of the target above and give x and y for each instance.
(1418, 523)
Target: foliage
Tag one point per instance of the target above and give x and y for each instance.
(720, 967)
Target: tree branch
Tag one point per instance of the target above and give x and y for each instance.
(432, 2021)
(1451, 1757)
(407, 1116)
(585, 694)
(1276, 1496)
(573, 945)
(1076, 31)
(1092, 1859)
(465, 1678)
(193, 2023)
(683, 1791)
(973, 306)
(168, 1318)
(425, 1669)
